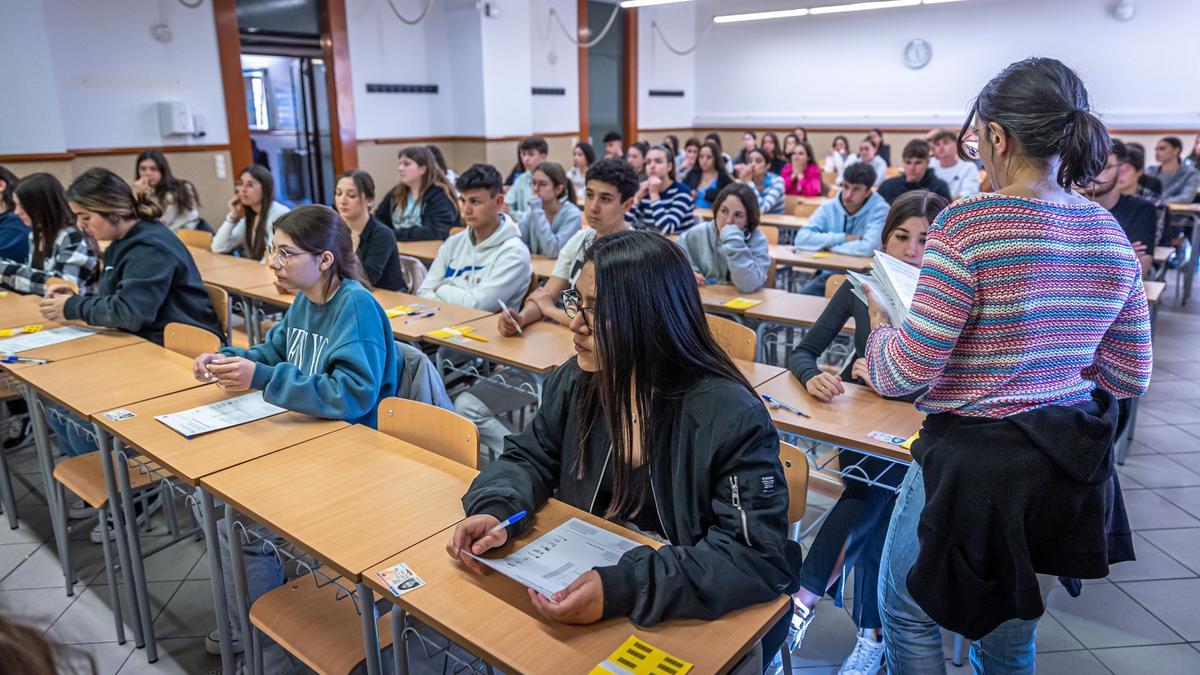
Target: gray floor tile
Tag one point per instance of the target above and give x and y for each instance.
(1168, 438)
(43, 569)
(1188, 370)
(1149, 510)
(1156, 471)
(1151, 563)
(90, 619)
(1053, 637)
(106, 657)
(1186, 498)
(179, 656)
(1068, 663)
(1173, 601)
(32, 528)
(1189, 460)
(12, 555)
(34, 607)
(189, 613)
(1182, 544)
(1103, 616)
(829, 640)
(1148, 418)
(200, 570)
(171, 564)
(1193, 429)
(1172, 390)
(1159, 659)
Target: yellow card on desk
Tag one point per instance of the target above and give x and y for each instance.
(820, 254)
(31, 328)
(635, 657)
(456, 331)
(907, 445)
(402, 310)
(741, 303)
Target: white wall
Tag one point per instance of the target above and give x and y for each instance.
(548, 43)
(31, 122)
(846, 69)
(660, 68)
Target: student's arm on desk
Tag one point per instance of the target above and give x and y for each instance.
(748, 260)
(872, 238)
(1124, 356)
(815, 234)
(347, 391)
(737, 563)
(141, 291)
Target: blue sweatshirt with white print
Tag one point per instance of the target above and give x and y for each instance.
(335, 360)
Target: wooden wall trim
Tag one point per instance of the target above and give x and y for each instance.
(630, 75)
(413, 140)
(335, 46)
(581, 22)
(95, 152)
(886, 130)
(230, 52)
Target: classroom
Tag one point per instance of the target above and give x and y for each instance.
(599, 336)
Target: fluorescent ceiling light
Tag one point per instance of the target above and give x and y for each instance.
(630, 4)
(827, 9)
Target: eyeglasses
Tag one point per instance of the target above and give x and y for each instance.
(573, 304)
(280, 255)
(970, 144)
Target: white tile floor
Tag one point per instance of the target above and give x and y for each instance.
(1144, 618)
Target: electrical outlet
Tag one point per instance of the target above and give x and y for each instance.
(220, 162)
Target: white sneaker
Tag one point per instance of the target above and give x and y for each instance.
(867, 657)
(78, 509)
(802, 618)
(212, 644)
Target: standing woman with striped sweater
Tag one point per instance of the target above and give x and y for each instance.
(1028, 322)
(662, 203)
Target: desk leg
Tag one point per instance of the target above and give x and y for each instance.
(41, 435)
(213, 545)
(141, 592)
(370, 622)
(6, 488)
(241, 612)
(118, 515)
(399, 645)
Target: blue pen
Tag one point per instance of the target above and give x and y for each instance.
(776, 403)
(420, 316)
(22, 359)
(511, 519)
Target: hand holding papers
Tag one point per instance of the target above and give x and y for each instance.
(892, 282)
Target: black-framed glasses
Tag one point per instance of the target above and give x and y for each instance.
(573, 304)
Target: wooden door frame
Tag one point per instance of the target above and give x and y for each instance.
(630, 66)
(229, 48)
(581, 23)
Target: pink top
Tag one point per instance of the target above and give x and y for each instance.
(808, 185)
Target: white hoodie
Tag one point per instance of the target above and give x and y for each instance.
(480, 275)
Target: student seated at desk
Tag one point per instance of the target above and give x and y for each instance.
(485, 263)
(802, 175)
(1136, 216)
(533, 151)
(1180, 181)
(850, 224)
(636, 156)
(422, 205)
(14, 233)
(651, 426)
(373, 242)
(250, 223)
(552, 217)
(614, 145)
(867, 155)
(961, 176)
(767, 185)
(57, 248)
(176, 197)
(662, 203)
(709, 176)
(838, 158)
(776, 160)
(611, 186)
(582, 159)
(852, 535)
(916, 174)
(730, 248)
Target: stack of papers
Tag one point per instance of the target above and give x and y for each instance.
(220, 415)
(893, 282)
(42, 338)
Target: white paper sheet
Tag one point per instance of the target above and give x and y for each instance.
(901, 277)
(220, 415)
(42, 338)
(551, 562)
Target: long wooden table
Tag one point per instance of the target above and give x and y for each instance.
(776, 219)
(539, 349)
(714, 297)
(819, 260)
(491, 615)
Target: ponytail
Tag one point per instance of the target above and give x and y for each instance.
(1083, 149)
(145, 208)
(104, 192)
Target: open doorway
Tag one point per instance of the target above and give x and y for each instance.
(605, 68)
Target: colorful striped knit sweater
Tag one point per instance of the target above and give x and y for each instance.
(1021, 304)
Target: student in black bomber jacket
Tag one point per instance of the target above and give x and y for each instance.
(695, 461)
(149, 278)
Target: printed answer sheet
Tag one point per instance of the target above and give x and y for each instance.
(220, 415)
(551, 562)
(43, 338)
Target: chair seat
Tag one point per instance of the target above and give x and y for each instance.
(84, 475)
(240, 339)
(314, 626)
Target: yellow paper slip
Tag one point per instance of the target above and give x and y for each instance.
(456, 331)
(741, 303)
(31, 328)
(402, 310)
(907, 445)
(635, 657)
(820, 254)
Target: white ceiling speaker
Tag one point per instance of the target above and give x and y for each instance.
(1123, 10)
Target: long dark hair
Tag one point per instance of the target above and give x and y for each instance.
(916, 203)
(693, 177)
(10, 181)
(670, 159)
(102, 191)
(749, 201)
(181, 191)
(316, 229)
(256, 223)
(777, 153)
(42, 199)
(362, 182)
(555, 173)
(434, 178)
(589, 153)
(801, 143)
(653, 343)
(1044, 105)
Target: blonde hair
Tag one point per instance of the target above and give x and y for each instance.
(104, 192)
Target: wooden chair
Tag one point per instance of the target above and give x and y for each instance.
(804, 209)
(737, 340)
(833, 283)
(533, 286)
(829, 178)
(795, 471)
(791, 203)
(190, 341)
(310, 622)
(771, 232)
(893, 171)
(456, 230)
(219, 298)
(196, 238)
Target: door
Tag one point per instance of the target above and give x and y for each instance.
(606, 60)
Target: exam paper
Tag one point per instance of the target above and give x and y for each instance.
(551, 562)
(220, 415)
(44, 338)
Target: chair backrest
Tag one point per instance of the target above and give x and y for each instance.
(737, 340)
(219, 297)
(59, 281)
(770, 232)
(833, 283)
(795, 472)
(456, 230)
(189, 340)
(770, 282)
(804, 209)
(893, 171)
(196, 238)
(828, 178)
(420, 380)
(791, 203)
(439, 431)
(413, 271)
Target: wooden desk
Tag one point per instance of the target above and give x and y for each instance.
(542, 348)
(776, 219)
(1154, 291)
(491, 615)
(411, 330)
(241, 276)
(1190, 207)
(793, 309)
(207, 261)
(103, 340)
(758, 373)
(421, 250)
(20, 310)
(190, 459)
(1162, 254)
(820, 260)
(846, 421)
(544, 267)
(714, 297)
(351, 498)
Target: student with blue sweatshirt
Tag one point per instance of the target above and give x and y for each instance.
(332, 356)
(851, 224)
(14, 233)
(662, 203)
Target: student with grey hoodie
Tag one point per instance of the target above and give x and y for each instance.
(486, 263)
(730, 248)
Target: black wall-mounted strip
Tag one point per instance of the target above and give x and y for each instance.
(549, 91)
(401, 88)
(677, 93)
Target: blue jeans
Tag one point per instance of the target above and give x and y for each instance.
(70, 439)
(914, 641)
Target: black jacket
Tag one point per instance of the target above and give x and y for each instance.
(379, 257)
(692, 180)
(438, 216)
(898, 185)
(1006, 499)
(723, 556)
(148, 281)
